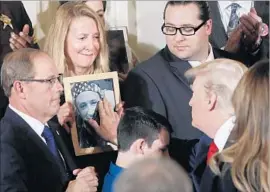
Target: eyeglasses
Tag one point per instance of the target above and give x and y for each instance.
(50, 81)
(186, 31)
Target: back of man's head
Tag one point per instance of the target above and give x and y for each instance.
(221, 77)
(139, 123)
(152, 175)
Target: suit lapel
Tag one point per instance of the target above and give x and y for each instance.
(177, 66)
(62, 146)
(201, 153)
(24, 128)
(200, 159)
(218, 37)
(40, 144)
(178, 69)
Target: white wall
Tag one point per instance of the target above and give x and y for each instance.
(143, 20)
(149, 19)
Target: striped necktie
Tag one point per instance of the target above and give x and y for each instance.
(234, 19)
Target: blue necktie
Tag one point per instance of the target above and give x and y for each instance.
(234, 19)
(49, 138)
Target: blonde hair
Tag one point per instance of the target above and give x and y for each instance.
(222, 76)
(249, 152)
(55, 42)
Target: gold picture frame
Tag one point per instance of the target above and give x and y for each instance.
(84, 92)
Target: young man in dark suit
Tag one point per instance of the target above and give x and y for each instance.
(32, 156)
(159, 83)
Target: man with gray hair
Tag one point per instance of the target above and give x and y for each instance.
(213, 84)
(31, 159)
(152, 175)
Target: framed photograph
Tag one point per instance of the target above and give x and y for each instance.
(84, 92)
(120, 54)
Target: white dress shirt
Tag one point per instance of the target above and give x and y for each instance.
(35, 124)
(209, 58)
(225, 10)
(223, 133)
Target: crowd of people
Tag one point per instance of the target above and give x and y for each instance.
(193, 117)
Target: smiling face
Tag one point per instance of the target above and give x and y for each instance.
(82, 43)
(86, 104)
(192, 47)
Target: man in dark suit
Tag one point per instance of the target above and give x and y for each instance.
(159, 83)
(245, 38)
(213, 85)
(32, 154)
(15, 22)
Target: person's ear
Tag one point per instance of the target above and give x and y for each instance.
(212, 101)
(209, 25)
(138, 146)
(19, 89)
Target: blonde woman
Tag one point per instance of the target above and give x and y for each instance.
(117, 45)
(76, 41)
(244, 166)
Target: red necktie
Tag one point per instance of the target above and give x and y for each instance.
(212, 150)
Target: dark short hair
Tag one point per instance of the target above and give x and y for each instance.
(202, 5)
(140, 123)
(104, 4)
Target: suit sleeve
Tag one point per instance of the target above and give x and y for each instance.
(264, 49)
(183, 152)
(140, 90)
(13, 172)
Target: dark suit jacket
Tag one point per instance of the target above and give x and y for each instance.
(219, 37)
(159, 84)
(18, 15)
(26, 162)
(198, 160)
(192, 155)
(211, 182)
(203, 179)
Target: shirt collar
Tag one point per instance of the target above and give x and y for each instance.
(225, 4)
(115, 169)
(209, 58)
(243, 4)
(224, 132)
(36, 125)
